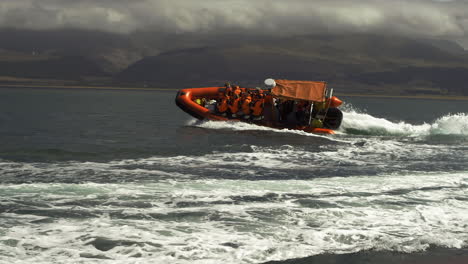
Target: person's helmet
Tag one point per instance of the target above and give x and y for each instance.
(227, 84)
(237, 86)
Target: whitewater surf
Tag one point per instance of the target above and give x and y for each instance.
(138, 185)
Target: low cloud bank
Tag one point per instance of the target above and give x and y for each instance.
(429, 18)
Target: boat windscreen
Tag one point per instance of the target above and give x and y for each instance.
(300, 90)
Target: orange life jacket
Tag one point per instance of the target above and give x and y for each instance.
(246, 105)
(223, 105)
(237, 92)
(258, 107)
(234, 105)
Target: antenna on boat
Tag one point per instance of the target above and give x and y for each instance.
(331, 93)
(328, 105)
(310, 111)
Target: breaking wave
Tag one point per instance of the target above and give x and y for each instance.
(357, 123)
(456, 124)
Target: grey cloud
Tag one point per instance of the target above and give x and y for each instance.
(417, 17)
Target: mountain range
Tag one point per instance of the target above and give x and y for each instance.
(353, 63)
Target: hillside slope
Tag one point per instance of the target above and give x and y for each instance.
(73, 55)
(353, 63)
(356, 63)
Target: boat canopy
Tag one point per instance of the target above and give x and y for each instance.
(300, 90)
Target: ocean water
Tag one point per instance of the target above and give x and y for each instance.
(102, 176)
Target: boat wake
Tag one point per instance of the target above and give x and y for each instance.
(356, 123)
(247, 204)
(231, 221)
(370, 157)
(242, 126)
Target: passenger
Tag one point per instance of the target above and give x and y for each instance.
(234, 106)
(307, 110)
(317, 123)
(257, 107)
(318, 110)
(222, 105)
(200, 101)
(227, 89)
(286, 107)
(279, 107)
(300, 112)
(318, 107)
(246, 110)
(237, 91)
(318, 114)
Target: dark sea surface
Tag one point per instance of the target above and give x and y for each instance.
(103, 176)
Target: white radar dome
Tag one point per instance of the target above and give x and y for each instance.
(270, 83)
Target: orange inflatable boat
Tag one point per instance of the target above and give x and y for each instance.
(300, 105)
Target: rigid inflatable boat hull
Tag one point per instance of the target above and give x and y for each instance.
(185, 101)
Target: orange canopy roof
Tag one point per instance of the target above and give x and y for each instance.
(300, 90)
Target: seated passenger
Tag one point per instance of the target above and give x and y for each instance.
(317, 123)
(246, 110)
(257, 108)
(227, 89)
(237, 91)
(279, 107)
(286, 107)
(301, 112)
(200, 101)
(222, 105)
(319, 110)
(234, 107)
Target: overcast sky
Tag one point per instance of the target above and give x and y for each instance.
(441, 18)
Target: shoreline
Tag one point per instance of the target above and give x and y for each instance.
(84, 87)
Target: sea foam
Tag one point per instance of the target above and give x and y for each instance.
(358, 123)
(233, 221)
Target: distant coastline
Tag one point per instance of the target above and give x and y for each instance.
(43, 86)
